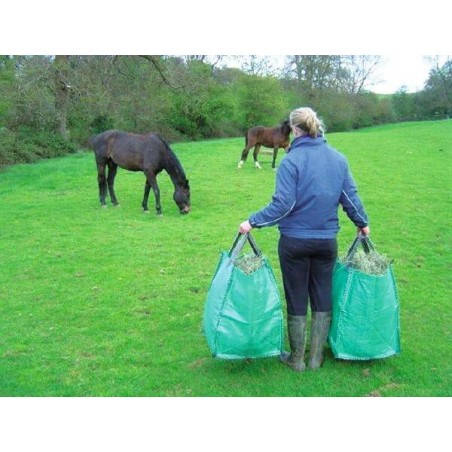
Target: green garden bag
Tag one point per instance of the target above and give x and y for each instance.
(365, 316)
(243, 315)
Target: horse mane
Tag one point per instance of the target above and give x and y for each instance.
(173, 165)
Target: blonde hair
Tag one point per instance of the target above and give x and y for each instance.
(306, 119)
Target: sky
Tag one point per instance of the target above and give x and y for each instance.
(402, 70)
(394, 72)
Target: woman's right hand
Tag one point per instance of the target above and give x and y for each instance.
(245, 227)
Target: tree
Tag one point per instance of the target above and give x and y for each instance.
(403, 104)
(257, 65)
(32, 96)
(357, 72)
(313, 72)
(185, 96)
(437, 94)
(6, 86)
(201, 103)
(262, 101)
(62, 92)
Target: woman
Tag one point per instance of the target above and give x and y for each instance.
(312, 181)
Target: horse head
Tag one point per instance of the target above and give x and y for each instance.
(285, 127)
(182, 197)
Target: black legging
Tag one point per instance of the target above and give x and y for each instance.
(307, 271)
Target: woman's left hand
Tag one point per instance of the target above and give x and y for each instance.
(245, 227)
(365, 230)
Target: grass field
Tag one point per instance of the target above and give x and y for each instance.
(109, 302)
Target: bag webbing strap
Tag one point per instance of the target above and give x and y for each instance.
(239, 243)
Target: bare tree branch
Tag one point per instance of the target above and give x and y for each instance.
(155, 61)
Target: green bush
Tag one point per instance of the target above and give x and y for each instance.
(26, 146)
(8, 147)
(101, 123)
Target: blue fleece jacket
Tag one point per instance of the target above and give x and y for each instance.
(312, 180)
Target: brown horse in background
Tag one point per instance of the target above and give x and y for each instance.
(149, 153)
(270, 137)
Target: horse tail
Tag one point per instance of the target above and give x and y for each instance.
(89, 143)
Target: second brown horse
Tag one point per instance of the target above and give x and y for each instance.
(270, 137)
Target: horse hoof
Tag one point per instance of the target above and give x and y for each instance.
(240, 165)
(104, 206)
(257, 166)
(146, 211)
(116, 205)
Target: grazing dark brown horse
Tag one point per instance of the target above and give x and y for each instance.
(270, 137)
(149, 153)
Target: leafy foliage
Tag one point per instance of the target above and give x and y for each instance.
(25, 146)
(437, 95)
(195, 97)
(261, 101)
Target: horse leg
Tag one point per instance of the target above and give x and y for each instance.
(151, 181)
(275, 153)
(112, 169)
(101, 180)
(255, 154)
(244, 155)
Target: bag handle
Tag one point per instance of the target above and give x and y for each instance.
(364, 241)
(239, 243)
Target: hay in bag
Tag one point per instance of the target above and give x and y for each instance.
(243, 315)
(365, 317)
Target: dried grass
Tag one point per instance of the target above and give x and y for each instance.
(372, 263)
(249, 263)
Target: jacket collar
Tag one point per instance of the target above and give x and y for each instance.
(306, 139)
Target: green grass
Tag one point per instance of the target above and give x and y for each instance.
(109, 302)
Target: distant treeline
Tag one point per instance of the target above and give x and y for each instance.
(51, 105)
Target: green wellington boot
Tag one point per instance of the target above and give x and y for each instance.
(320, 327)
(296, 325)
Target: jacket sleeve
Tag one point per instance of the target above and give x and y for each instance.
(283, 200)
(351, 202)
